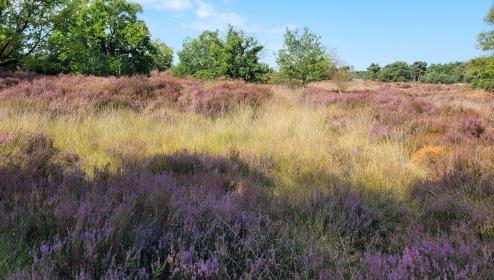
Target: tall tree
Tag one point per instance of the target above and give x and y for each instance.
(25, 26)
(102, 37)
(304, 57)
(486, 39)
(373, 71)
(396, 72)
(202, 57)
(480, 71)
(242, 55)
(162, 56)
(417, 70)
(209, 56)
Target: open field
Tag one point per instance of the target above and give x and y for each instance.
(158, 177)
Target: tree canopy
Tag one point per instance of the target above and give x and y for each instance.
(480, 71)
(304, 57)
(25, 26)
(209, 56)
(100, 37)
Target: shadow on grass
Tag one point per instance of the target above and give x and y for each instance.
(196, 216)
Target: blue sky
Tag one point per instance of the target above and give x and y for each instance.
(361, 31)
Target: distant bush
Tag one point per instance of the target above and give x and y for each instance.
(395, 72)
(211, 57)
(445, 73)
(480, 73)
(303, 58)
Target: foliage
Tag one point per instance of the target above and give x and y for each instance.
(395, 72)
(417, 70)
(210, 57)
(201, 57)
(304, 58)
(486, 39)
(480, 73)
(24, 27)
(101, 37)
(373, 71)
(445, 73)
(242, 54)
(162, 56)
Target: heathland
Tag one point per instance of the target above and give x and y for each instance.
(154, 177)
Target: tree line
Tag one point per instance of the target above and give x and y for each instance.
(106, 37)
(419, 71)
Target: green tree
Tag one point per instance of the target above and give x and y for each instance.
(100, 37)
(24, 27)
(210, 57)
(417, 70)
(202, 57)
(304, 58)
(480, 71)
(445, 73)
(373, 71)
(162, 56)
(486, 39)
(395, 72)
(242, 55)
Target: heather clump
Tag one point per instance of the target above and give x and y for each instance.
(462, 195)
(468, 129)
(459, 255)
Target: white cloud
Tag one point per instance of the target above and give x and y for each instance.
(204, 10)
(176, 5)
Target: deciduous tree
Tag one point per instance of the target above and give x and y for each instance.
(304, 57)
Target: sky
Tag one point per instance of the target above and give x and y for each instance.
(359, 31)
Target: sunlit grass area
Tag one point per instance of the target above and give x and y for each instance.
(302, 146)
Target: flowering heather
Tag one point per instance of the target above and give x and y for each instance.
(455, 256)
(87, 93)
(163, 178)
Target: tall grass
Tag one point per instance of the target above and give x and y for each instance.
(300, 145)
